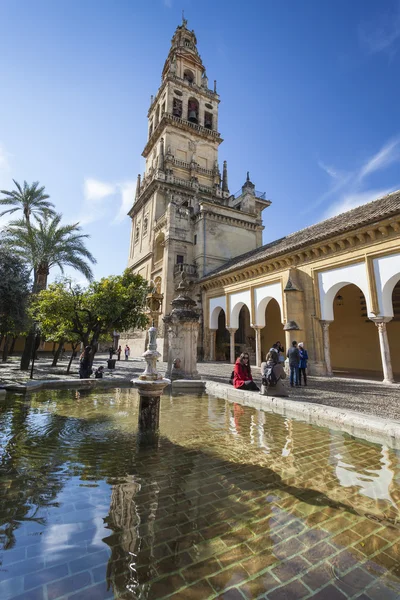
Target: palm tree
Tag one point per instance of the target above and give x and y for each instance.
(44, 245)
(48, 244)
(31, 199)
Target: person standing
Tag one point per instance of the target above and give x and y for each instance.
(293, 355)
(119, 350)
(85, 363)
(111, 351)
(303, 363)
(127, 352)
(242, 378)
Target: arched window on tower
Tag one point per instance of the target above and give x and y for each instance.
(193, 110)
(208, 120)
(177, 108)
(151, 129)
(157, 117)
(188, 76)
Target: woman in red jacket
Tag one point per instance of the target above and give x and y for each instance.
(242, 378)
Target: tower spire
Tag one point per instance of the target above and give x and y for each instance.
(225, 177)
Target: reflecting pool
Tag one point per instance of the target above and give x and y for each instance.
(230, 503)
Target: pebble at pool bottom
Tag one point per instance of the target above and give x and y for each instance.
(231, 503)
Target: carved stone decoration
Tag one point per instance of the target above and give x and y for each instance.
(292, 284)
(290, 326)
(183, 328)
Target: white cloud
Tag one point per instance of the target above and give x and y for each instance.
(168, 3)
(127, 190)
(97, 196)
(4, 159)
(95, 190)
(383, 33)
(350, 189)
(347, 202)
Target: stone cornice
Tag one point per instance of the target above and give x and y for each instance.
(333, 246)
(232, 220)
(141, 261)
(191, 128)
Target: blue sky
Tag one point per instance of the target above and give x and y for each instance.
(309, 103)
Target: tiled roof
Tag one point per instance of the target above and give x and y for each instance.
(371, 212)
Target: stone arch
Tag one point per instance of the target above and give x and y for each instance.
(330, 282)
(354, 342)
(214, 317)
(193, 110)
(387, 275)
(262, 297)
(387, 293)
(159, 247)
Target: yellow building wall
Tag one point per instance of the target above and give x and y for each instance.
(354, 338)
(273, 330)
(393, 330)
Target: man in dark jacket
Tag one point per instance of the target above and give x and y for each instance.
(293, 355)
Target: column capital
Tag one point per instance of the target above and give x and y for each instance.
(257, 326)
(325, 324)
(380, 321)
(232, 329)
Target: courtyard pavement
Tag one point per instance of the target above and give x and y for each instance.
(365, 396)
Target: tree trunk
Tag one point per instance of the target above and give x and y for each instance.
(57, 354)
(54, 348)
(74, 347)
(1, 339)
(28, 350)
(12, 345)
(5, 349)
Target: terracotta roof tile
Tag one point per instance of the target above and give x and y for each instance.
(371, 212)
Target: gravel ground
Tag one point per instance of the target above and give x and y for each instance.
(362, 395)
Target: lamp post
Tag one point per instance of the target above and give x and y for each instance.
(33, 349)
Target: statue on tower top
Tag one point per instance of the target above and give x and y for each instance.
(184, 21)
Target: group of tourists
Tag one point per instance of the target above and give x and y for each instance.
(272, 370)
(86, 360)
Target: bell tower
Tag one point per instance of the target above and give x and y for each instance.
(184, 217)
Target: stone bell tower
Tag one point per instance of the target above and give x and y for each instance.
(184, 217)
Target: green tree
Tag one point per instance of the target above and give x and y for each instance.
(14, 294)
(48, 244)
(30, 199)
(113, 303)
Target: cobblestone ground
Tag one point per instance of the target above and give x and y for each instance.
(362, 395)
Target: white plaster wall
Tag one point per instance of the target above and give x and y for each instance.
(262, 296)
(387, 274)
(215, 306)
(236, 301)
(331, 281)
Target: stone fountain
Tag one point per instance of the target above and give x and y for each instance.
(150, 385)
(182, 329)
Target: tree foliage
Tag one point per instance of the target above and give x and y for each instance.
(30, 199)
(69, 311)
(47, 244)
(14, 293)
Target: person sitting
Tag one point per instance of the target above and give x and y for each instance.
(98, 374)
(272, 373)
(242, 378)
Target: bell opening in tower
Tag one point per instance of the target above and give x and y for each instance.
(193, 110)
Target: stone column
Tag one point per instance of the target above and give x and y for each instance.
(232, 340)
(385, 350)
(327, 347)
(213, 333)
(257, 329)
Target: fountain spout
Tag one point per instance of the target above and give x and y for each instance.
(150, 385)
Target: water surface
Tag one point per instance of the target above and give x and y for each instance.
(231, 503)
